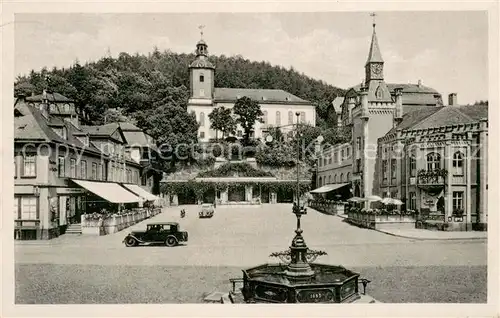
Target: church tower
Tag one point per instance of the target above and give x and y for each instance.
(201, 74)
(372, 118)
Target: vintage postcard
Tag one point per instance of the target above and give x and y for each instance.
(330, 159)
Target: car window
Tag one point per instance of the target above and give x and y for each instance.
(166, 227)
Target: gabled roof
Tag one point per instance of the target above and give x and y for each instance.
(260, 95)
(51, 97)
(337, 103)
(35, 126)
(413, 94)
(129, 127)
(412, 118)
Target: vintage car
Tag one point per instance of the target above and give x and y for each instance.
(207, 211)
(168, 233)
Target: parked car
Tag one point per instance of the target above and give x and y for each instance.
(207, 211)
(168, 233)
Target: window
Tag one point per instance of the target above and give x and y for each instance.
(384, 170)
(433, 161)
(83, 169)
(28, 208)
(15, 167)
(393, 168)
(320, 162)
(72, 168)
(104, 177)
(16, 208)
(413, 166)
(341, 177)
(303, 117)
(290, 118)
(358, 165)
(202, 78)
(65, 133)
(29, 166)
(347, 150)
(320, 180)
(202, 134)
(143, 179)
(458, 164)
(99, 171)
(358, 143)
(202, 119)
(264, 117)
(94, 171)
(325, 161)
(330, 160)
(348, 176)
(335, 178)
(329, 179)
(61, 167)
(278, 118)
(413, 201)
(202, 92)
(336, 157)
(343, 154)
(458, 201)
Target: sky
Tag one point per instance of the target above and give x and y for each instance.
(447, 51)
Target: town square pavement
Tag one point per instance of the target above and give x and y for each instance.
(91, 269)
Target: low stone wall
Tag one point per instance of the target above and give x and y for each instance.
(328, 207)
(115, 223)
(383, 221)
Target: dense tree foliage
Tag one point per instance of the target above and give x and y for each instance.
(247, 113)
(221, 119)
(152, 90)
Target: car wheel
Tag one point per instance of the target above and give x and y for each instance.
(130, 241)
(171, 241)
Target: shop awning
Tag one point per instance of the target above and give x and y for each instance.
(141, 192)
(329, 187)
(109, 191)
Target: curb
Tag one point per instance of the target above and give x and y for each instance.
(424, 238)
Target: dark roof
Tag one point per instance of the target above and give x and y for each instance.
(138, 138)
(201, 62)
(51, 97)
(453, 115)
(163, 223)
(268, 95)
(337, 103)
(414, 117)
(413, 94)
(35, 126)
(102, 130)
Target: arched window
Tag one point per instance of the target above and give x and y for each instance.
(348, 176)
(302, 117)
(335, 179)
(264, 117)
(458, 164)
(341, 177)
(329, 179)
(278, 118)
(413, 165)
(202, 78)
(433, 161)
(202, 119)
(290, 117)
(320, 180)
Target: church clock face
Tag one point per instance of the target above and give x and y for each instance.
(377, 69)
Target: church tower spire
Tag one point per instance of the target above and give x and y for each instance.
(201, 73)
(374, 66)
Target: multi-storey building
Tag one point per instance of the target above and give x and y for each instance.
(279, 107)
(437, 163)
(60, 170)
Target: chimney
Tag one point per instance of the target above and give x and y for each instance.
(452, 99)
(419, 83)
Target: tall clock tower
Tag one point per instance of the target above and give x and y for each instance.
(374, 67)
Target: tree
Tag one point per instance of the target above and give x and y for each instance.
(248, 112)
(222, 119)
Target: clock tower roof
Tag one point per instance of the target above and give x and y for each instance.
(374, 55)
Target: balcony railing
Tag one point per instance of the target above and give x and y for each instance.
(27, 224)
(432, 180)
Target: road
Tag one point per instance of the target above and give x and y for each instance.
(402, 270)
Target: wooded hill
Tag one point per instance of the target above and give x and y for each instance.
(152, 91)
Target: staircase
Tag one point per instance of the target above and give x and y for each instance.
(74, 229)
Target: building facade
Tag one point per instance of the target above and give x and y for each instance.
(438, 165)
(279, 107)
(53, 156)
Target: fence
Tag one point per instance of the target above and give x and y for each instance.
(93, 224)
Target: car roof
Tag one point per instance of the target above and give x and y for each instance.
(164, 223)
